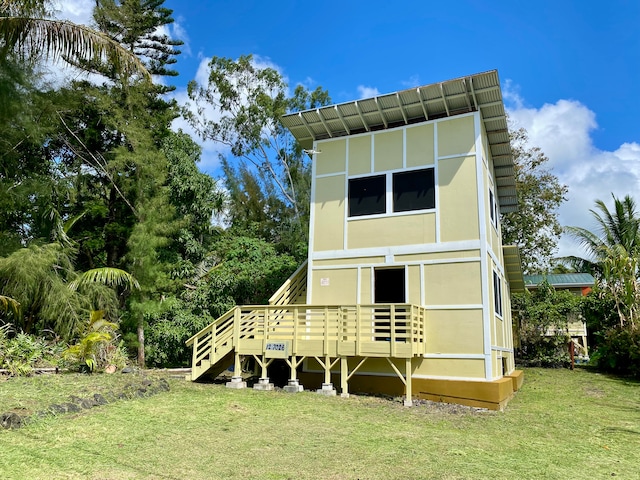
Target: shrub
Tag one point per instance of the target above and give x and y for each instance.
(619, 351)
(21, 354)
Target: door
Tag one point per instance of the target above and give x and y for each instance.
(389, 287)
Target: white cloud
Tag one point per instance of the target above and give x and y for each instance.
(76, 11)
(563, 131)
(367, 92)
(412, 81)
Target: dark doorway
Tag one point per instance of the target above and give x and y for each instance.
(389, 287)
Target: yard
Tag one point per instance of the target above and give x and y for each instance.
(562, 424)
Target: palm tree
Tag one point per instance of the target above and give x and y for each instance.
(614, 255)
(26, 29)
(619, 228)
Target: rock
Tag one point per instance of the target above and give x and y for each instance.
(71, 407)
(146, 382)
(11, 420)
(100, 400)
(57, 409)
(88, 403)
(128, 370)
(110, 369)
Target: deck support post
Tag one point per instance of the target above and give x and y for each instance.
(293, 386)
(327, 386)
(408, 400)
(263, 382)
(236, 380)
(344, 377)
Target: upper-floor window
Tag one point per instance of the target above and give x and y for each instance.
(412, 190)
(367, 196)
(493, 209)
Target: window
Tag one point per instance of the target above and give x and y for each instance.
(493, 209)
(414, 190)
(497, 293)
(367, 196)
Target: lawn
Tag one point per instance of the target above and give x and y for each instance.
(562, 424)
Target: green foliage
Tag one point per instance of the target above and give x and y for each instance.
(21, 354)
(619, 351)
(542, 318)
(96, 347)
(167, 331)
(534, 227)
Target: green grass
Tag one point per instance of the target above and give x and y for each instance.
(562, 424)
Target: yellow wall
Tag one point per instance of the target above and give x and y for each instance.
(453, 284)
(458, 199)
(388, 151)
(359, 155)
(451, 367)
(329, 213)
(333, 158)
(341, 289)
(456, 136)
(420, 149)
(454, 331)
(394, 230)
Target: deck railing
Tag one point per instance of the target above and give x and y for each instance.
(293, 290)
(377, 330)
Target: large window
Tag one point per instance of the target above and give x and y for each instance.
(367, 195)
(412, 190)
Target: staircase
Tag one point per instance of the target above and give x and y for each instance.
(294, 331)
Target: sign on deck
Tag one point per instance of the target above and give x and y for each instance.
(279, 349)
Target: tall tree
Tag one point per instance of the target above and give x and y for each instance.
(534, 227)
(248, 101)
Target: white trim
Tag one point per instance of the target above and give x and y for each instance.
(501, 349)
(420, 263)
(373, 153)
(461, 306)
(469, 356)
(404, 148)
(484, 268)
(388, 201)
(329, 175)
(456, 155)
(436, 175)
(421, 248)
(312, 221)
(389, 206)
(345, 227)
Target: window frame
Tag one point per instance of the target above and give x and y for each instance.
(389, 194)
(497, 294)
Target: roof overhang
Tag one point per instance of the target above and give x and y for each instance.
(513, 268)
(474, 93)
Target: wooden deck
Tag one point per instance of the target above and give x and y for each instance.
(327, 333)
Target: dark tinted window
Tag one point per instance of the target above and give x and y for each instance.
(367, 195)
(413, 190)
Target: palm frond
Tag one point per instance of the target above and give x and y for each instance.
(113, 277)
(62, 39)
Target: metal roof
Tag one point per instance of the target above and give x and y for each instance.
(561, 280)
(513, 267)
(480, 92)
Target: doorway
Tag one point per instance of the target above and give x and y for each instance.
(389, 287)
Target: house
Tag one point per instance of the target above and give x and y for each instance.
(578, 284)
(407, 284)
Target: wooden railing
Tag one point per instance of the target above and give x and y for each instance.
(379, 330)
(294, 290)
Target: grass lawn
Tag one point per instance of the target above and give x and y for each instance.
(562, 424)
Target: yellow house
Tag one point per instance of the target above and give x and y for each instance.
(407, 284)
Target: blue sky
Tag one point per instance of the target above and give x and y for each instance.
(570, 70)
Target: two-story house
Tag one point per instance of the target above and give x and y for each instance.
(407, 283)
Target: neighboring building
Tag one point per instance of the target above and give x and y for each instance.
(576, 283)
(406, 269)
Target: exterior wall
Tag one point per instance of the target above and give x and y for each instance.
(449, 253)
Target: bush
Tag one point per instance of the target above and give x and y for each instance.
(22, 353)
(619, 351)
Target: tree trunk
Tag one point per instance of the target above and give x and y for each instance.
(141, 341)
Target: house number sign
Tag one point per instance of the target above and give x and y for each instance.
(277, 350)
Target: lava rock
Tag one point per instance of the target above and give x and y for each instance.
(11, 420)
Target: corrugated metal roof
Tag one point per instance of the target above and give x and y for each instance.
(513, 267)
(561, 280)
(480, 92)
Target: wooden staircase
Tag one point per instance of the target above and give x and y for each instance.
(327, 333)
